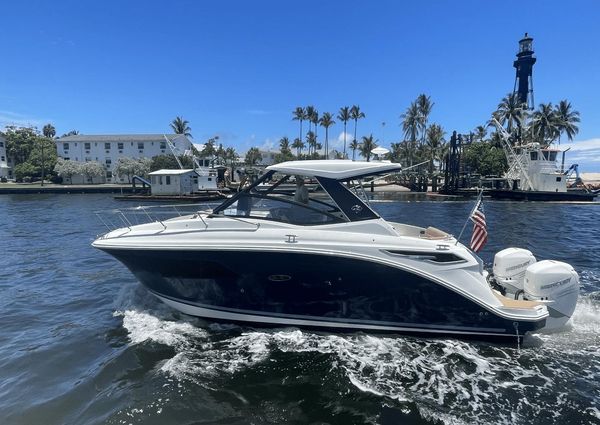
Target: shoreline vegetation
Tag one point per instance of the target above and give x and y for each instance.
(34, 154)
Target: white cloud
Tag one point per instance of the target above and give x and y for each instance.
(584, 145)
(13, 118)
(339, 141)
(267, 145)
(585, 152)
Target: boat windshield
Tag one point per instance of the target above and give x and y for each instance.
(288, 199)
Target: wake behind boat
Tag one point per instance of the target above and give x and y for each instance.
(327, 260)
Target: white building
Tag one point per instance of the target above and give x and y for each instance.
(5, 168)
(107, 149)
(173, 182)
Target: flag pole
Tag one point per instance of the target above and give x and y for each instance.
(470, 215)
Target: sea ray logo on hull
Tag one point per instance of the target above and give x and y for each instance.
(279, 277)
(356, 209)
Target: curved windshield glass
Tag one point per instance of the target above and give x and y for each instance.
(276, 207)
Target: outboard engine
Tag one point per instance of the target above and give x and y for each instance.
(509, 268)
(555, 281)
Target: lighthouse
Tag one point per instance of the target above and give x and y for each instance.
(524, 77)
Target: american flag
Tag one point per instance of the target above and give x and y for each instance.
(480, 234)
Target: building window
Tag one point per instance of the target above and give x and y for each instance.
(168, 180)
(140, 145)
(109, 174)
(533, 156)
(88, 159)
(108, 161)
(107, 146)
(88, 146)
(163, 145)
(65, 146)
(159, 179)
(66, 158)
(1, 144)
(120, 145)
(2, 159)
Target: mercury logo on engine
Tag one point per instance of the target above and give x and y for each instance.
(518, 266)
(559, 283)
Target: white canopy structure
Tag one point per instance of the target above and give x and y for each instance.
(337, 169)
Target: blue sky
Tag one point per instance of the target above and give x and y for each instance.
(237, 68)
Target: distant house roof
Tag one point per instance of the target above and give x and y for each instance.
(119, 138)
(169, 172)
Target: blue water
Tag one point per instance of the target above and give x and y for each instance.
(82, 343)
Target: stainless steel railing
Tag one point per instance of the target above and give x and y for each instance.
(127, 217)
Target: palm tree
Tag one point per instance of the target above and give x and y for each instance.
(311, 142)
(434, 143)
(411, 123)
(299, 115)
(356, 114)
(180, 126)
(545, 124)
(344, 116)
(367, 145)
(425, 105)
(309, 112)
(315, 120)
(395, 154)
(480, 132)
(49, 131)
(326, 121)
(510, 111)
(567, 120)
(298, 145)
(253, 156)
(231, 156)
(284, 144)
(354, 145)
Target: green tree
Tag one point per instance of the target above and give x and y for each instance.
(411, 124)
(209, 150)
(356, 114)
(49, 131)
(231, 156)
(285, 151)
(567, 120)
(43, 156)
(354, 145)
(253, 156)
(510, 111)
(71, 133)
(367, 145)
(298, 145)
(424, 105)
(545, 124)
(480, 133)
(434, 144)
(311, 141)
(299, 115)
(326, 121)
(180, 126)
(158, 162)
(344, 116)
(20, 142)
(485, 159)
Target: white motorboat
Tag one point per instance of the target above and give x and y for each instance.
(327, 260)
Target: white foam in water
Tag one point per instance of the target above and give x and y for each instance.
(449, 380)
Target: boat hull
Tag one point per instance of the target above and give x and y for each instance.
(311, 290)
